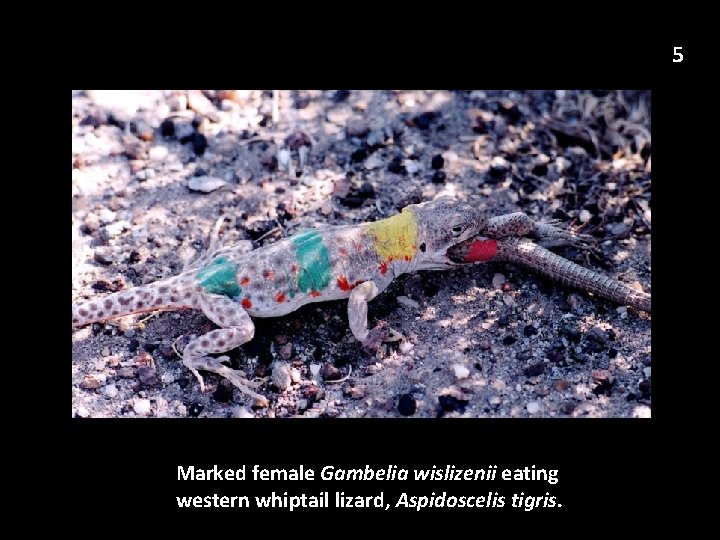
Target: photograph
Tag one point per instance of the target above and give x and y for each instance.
(361, 254)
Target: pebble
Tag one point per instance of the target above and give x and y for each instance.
(126, 373)
(356, 127)
(142, 406)
(452, 404)
(330, 372)
(89, 382)
(144, 174)
(242, 412)
(373, 162)
(206, 184)
(533, 407)
(498, 385)
(571, 332)
(111, 391)
(92, 222)
(295, 375)
(315, 370)
(494, 400)
(148, 376)
(281, 375)
(438, 177)
(584, 216)
(460, 371)
(534, 370)
(405, 347)
(195, 410)
(284, 157)
(597, 334)
(286, 351)
(158, 152)
(412, 166)
(498, 280)
(530, 330)
(407, 302)
(82, 412)
(105, 352)
(106, 216)
(407, 405)
(437, 162)
(647, 371)
(620, 229)
(167, 128)
(167, 378)
(114, 229)
(199, 143)
(561, 385)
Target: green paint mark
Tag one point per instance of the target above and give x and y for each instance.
(219, 278)
(313, 260)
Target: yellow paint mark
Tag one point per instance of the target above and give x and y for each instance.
(395, 237)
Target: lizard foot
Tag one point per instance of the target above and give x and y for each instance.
(215, 365)
(382, 333)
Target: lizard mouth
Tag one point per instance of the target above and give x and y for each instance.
(457, 253)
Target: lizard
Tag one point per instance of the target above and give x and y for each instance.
(230, 285)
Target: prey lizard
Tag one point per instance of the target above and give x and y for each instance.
(231, 285)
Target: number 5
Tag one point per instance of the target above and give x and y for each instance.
(677, 54)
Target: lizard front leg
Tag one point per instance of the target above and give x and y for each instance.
(237, 329)
(357, 315)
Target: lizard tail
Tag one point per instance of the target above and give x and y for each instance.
(523, 251)
(170, 294)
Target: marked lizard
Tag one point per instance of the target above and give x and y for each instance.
(354, 262)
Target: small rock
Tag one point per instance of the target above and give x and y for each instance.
(407, 302)
(584, 216)
(407, 405)
(167, 128)
(530, 330)
(148, 376)
(106, 216)
(373, 162)
(142, 406)
(601, 375)
(498, 385)
(437, 162)
(90, 383)
(498, 280)
(281, 375)
(534, 370)
(509, 340)
(115, 229)
(451, 404)
(405, 346)
(423, 121)
(356, 127)
(197, 101)
(82, 412)
(295, 375)
(561, 385)
(412, 166)
(315, 370)
(647, 371)
(92, 222)
(460, 371)
(330, 372)
(126, 373)
(438, 177)
(533, 407)
(105, 351)
(620, 229)
(167, 378)
(286, 351)
(242, 412)
(206, 184)
(485, 345)
(111, 391)
(199, 143)
(195, 410)
(358, 155)
(571, 332)
(567, 407)
(597, 334)
(284, 157)
(158, 152)
(354, 392)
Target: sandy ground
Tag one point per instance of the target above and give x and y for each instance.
(490, 340)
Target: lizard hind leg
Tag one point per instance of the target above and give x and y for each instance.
(357, 317)
(237, 329)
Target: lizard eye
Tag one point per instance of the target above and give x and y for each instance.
(457, 230)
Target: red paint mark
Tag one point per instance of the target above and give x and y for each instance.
(246, 303)
(408, 257)
(343, 252)
(481, 250)
(390, 258)
(383, 268)
(268, 274)
(280, 298)
(358, 282)
(357, 246)
(343, 284)
(244, 281)
(314, 294)
(294, 268)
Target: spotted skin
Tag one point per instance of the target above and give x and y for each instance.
(231, 285)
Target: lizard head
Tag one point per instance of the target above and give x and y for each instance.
(442, 224)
